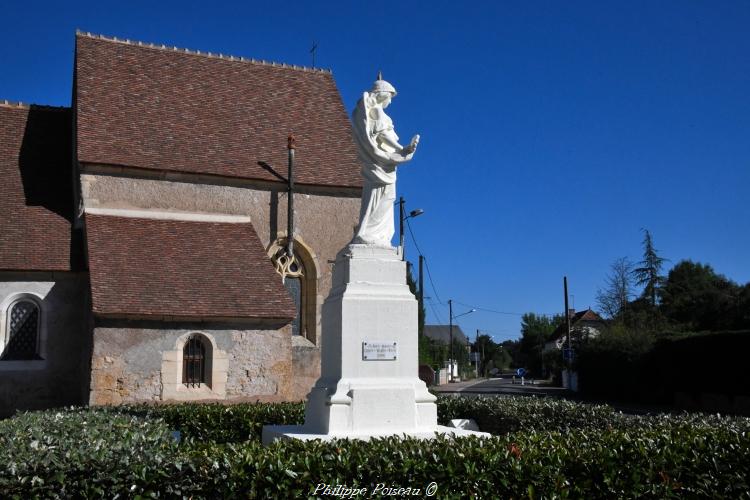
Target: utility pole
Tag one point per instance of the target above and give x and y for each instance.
(450, 313)
(401, 217)
(478, 357)
(450, 323)
(567, 331)
(420, 297)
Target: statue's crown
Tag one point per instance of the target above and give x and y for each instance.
(381, 85)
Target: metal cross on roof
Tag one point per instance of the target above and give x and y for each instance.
(312, 51)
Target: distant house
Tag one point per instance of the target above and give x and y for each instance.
(583, 325)
(441, 333)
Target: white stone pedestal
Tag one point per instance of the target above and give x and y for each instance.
(369, 314)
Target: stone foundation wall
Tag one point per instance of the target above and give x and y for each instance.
(61, 378)
(131, 365)
(305, 366)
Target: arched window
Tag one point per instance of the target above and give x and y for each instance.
(194, 362)
(295, 285)
(21, 340)
(299, 276)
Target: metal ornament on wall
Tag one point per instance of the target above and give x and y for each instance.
(286, 265)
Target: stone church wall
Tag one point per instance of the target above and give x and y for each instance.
(325, 220)
(61, 377)
(145, 364)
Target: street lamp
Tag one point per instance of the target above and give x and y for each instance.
(402, 217)
(452, 317)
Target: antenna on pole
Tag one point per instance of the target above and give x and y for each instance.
(312, 51)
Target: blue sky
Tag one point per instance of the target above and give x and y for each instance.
(552, 132)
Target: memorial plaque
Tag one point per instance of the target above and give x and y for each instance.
(379, 350)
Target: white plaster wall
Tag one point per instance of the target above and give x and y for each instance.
(61, 377)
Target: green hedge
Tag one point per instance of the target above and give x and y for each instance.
(555, 449)
(216, 422)
(81, 453)
(656, 462)
(629, 366)
(505, 415)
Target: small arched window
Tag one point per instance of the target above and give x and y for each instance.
(22, 332)
(194, 362)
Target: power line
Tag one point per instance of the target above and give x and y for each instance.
(432, 283)
(500, 336)
(408, 224)
(485, 309)
(434, 289)
(429, 274)
(434, 311)
(488, 310)
(427, 264)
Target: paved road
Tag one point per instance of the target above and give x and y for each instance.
(502, 385)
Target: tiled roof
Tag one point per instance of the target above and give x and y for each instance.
(441, 333)
(168, 109)
(36, 192)
(159, 269)
(587, 315)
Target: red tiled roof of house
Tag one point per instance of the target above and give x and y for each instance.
(153, 268)
(169, 109)
(587, 315)
(36, 192)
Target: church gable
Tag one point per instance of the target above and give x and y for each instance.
(168, 109)
(171, 164)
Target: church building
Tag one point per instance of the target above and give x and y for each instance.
(143, 229)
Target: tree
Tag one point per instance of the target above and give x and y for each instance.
(648, 274)
(461, 355)
(491, 355)
(536, 330)
(640, 316)
(618, 290)
(427, 352)
(412, 283)
(513, 349)
(697, 298)
(742, 318)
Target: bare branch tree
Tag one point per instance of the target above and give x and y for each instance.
(618, 288)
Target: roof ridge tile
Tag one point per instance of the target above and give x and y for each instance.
(5, 103)
(263, 62)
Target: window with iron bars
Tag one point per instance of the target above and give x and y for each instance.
(194, 362)
(22, 332)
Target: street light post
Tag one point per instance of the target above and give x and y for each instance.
(478, 357)
(450, 323)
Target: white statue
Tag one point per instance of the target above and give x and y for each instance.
(380, 154)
